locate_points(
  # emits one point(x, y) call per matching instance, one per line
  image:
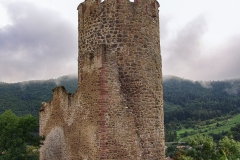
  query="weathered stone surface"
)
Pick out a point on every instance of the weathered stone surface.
point(117, 111)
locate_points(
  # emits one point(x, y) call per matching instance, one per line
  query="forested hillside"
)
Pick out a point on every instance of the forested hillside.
point(184, 99)
point(188, 100)
point(26, 97)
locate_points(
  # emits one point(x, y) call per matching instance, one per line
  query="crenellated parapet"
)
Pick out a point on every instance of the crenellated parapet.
point(96, 17)
point(89, 6)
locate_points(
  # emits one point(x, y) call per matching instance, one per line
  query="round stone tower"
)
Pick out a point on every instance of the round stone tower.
point(117, 111)
point(120, 41)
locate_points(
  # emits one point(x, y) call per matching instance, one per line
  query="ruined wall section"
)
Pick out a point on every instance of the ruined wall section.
point(70, 122)
point(53, 118)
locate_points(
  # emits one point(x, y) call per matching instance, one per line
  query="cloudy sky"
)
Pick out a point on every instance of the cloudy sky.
point(200, 39)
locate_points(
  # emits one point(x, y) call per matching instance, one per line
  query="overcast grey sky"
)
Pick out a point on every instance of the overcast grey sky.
point(200, 39)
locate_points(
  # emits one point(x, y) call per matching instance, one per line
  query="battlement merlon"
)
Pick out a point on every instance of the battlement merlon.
point(92, 3)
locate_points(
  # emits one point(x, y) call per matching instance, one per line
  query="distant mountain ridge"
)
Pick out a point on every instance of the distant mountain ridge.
point(183, 98)
point(232, 85)
point(200, 100)
point(26, 97)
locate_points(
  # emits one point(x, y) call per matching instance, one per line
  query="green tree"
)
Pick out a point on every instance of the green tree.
point(229, 148)
point(203, 147)
point(17, 134)
point(170, 135)
point(236, 132)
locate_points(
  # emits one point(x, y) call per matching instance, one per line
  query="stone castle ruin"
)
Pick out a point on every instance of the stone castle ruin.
point(117, 111)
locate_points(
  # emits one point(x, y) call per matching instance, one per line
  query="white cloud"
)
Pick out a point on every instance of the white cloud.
point(185, 55)
point(38, 44)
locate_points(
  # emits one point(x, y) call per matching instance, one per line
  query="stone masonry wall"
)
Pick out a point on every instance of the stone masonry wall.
point(117, 111)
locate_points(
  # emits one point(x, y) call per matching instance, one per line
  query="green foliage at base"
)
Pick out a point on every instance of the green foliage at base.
point(17, 135)
point(204, 148)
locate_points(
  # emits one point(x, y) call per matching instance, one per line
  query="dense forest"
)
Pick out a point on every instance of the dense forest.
point(183, 99)
point(19, 139)
point(189, 100)
point(26, 97)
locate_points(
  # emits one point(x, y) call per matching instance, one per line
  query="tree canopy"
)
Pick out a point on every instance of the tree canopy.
point(18, 135)
point(204, 148)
